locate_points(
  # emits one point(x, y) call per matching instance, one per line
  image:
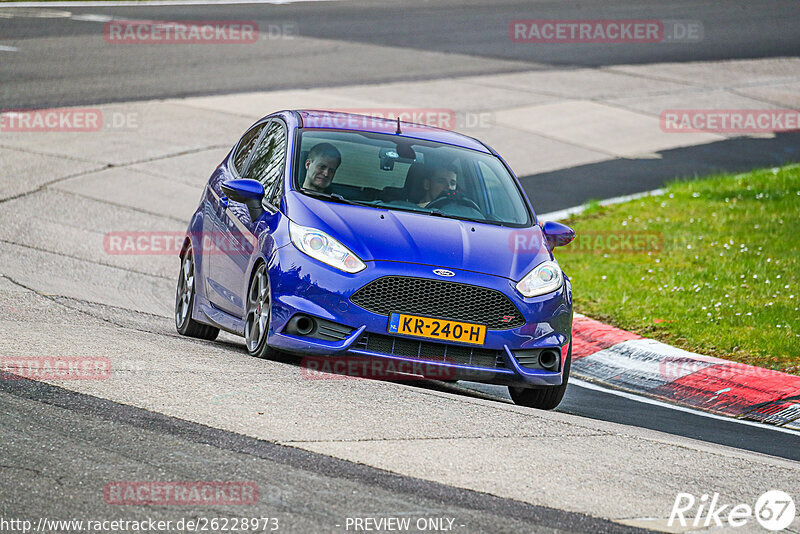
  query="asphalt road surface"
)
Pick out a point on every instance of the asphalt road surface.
point(61, 446)
point(64, 61)
point(101, 441)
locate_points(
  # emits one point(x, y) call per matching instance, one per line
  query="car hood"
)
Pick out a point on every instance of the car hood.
point(393, 235)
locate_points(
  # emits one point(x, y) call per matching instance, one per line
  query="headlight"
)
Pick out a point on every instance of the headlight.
point(324, 248)
point(544, 278)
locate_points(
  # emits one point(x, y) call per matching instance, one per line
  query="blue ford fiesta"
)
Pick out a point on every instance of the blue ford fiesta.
point(339, 235)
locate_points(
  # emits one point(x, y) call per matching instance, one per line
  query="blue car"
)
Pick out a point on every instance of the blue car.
point(335, 236)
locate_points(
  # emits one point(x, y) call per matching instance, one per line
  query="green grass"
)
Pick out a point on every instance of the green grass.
point(726, 281)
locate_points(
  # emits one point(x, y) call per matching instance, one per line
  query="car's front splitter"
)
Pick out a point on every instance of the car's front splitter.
point(511, 372)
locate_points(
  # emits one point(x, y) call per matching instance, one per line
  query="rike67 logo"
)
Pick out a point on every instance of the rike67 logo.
point(774, 510)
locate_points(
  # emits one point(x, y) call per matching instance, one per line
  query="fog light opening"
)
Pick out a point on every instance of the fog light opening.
point(548, 359)
point(301, 325)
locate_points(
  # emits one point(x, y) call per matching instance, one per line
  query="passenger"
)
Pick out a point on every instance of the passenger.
point(429, 182)
point(321, 164)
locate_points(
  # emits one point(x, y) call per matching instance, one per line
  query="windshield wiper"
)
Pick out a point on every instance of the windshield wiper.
point(332, 196)
point(437, 213)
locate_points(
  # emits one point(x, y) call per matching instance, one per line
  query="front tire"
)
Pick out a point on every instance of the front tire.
point(546, 398)
point(184, 302)
point(257, 319)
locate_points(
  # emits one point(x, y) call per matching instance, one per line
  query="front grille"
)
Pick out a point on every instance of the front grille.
point(437, 298)
point(432, 352)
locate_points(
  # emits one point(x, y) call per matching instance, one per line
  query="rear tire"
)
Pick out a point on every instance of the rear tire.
point(546, 398)
point(184, 302)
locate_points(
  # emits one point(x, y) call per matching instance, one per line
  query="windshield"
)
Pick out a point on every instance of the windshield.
point(400, 173)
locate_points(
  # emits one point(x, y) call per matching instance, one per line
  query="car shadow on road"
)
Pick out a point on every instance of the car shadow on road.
point(464, 388)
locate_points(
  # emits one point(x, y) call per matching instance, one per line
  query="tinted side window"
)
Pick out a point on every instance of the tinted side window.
point(268, 162)
point(246, 145)
point(502, 204)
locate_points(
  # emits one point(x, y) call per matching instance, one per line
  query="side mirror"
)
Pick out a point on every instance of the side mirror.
point(248, 192)
point(557, 234)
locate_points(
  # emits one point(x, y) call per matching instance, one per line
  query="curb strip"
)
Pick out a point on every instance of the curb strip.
point(624, 360)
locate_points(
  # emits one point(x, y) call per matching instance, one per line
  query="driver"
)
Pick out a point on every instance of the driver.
point(435, 181)
point(321, 164)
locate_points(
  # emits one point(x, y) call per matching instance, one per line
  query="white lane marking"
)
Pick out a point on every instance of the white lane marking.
point(17, 10)
point(124, 3)
point(563, 214)
point(630, 396)
point(93, 18)
point(8, 48)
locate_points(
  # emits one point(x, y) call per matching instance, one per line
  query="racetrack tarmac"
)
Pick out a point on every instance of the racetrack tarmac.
point(105, 443)
point(321, 451)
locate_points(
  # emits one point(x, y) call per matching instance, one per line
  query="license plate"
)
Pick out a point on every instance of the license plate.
point(414, 325)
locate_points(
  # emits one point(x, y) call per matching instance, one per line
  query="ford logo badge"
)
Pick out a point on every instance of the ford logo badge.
point(444, 272)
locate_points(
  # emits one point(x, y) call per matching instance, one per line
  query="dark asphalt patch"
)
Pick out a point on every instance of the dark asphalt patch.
point(488, 513)
point(556, 190)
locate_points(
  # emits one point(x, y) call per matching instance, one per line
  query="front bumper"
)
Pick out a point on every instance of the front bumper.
point(311, 288)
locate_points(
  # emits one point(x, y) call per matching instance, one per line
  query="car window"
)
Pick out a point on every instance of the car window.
point(501, 199)
point(397, 172)
point(268, 160)
point(246, 144)
point(358, 168)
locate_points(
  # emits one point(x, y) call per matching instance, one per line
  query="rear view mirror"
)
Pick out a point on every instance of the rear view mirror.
point(557, 234)
point(388, 157)
point(403, 154)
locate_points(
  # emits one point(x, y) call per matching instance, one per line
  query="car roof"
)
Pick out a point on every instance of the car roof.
point(323, 119)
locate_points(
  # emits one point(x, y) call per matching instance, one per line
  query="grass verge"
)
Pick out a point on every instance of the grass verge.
point(711, 266)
